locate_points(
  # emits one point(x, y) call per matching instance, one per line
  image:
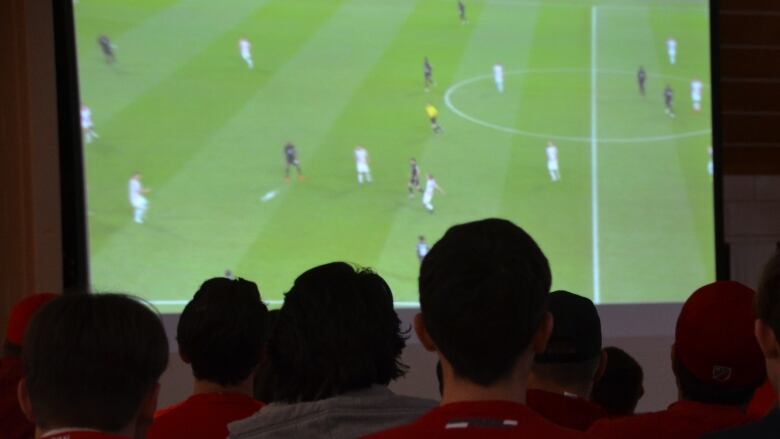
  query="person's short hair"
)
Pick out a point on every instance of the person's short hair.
point(263, 384)
point(90, 359)
point(222, 330)
point(336, 332)
point(768, 295)
point(717, 359)
point(483, 294)
point(620, 387)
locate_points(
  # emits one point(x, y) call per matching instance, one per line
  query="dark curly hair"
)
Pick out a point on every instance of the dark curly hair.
point(336, 332)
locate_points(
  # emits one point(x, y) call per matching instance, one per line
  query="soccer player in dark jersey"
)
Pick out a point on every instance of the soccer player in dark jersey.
point(414, 179)
point(641, 76)
point(291, 159)
point(668, 96)
point(462, 11)
point(107, 48)
point(428, 73)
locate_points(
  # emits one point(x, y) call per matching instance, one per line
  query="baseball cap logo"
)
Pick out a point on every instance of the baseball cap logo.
point(721, 373)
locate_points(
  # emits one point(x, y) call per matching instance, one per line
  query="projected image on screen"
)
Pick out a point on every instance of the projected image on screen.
point(261, 138)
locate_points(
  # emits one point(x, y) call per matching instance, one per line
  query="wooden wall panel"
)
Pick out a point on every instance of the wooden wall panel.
point(17, 263)
point(749, 64)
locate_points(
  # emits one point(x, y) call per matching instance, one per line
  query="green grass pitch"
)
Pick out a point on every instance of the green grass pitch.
point(630, 220)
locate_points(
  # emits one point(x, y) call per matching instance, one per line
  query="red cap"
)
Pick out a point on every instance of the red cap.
point(22, 313)
point(714, 338)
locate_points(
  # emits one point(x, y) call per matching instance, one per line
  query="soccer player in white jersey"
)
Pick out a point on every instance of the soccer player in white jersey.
point(696, 87)
point(422, 248)
point(430, 187)
point(245, 48)
point(671, 49)
point(138, 201)
point(498, 77)
point(552, 161)
point(710, 165)
point(361, 163)
point(87, 128)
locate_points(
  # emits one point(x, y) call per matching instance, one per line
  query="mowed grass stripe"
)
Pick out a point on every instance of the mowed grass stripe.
point(556, 214)
point(152, 50)
point(370, 116)
point(692, 152)
point(156, 134)
point(110, 17)
point(468, 161)
point(386, 115)
point(646, 222)
point(204, 218)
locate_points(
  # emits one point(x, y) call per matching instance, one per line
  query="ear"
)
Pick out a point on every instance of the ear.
point(422, 333)
point(767, 340)
point(183, 356)
point(601, 367)
point(542, 334)
point(24, 399)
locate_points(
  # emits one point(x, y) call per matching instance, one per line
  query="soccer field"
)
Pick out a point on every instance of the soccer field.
point(631, 219)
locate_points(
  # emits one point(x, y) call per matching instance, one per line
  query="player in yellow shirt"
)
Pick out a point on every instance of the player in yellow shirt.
point(432, 113)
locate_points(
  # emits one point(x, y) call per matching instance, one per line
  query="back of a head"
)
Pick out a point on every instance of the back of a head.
point(768, 297)
point(90, 360)
point(620, 387)
point(716, 357)
point(573, 351)
point(222, 331)
point(337, 332)
point(483, 294)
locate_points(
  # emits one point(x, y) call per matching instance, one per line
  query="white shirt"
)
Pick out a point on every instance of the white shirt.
point(696, 87)
point(361, 156)
point(430, 186)
point(422, 249)
point(244, 44)
point(671, 44)
point(86, 117)
point(498, 72)
point(134, 189)
point(552, 153)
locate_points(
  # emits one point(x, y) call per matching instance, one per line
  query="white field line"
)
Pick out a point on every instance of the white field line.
point(594, 156)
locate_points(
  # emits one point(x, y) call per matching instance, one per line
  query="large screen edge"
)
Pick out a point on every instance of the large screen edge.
point(75, 237)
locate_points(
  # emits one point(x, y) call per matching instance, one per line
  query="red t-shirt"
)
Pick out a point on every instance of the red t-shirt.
point(764, 400)
point(82, 435)
point(14, 424)
point(568, 411)
point(682, 420)
point(480, 419)
point(203, 416)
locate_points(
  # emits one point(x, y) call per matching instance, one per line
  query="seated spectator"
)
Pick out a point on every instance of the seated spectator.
point(92, 363)
point(221, 335)
point(620, 387)
point(484, 289)
point(767, 331)
point(13, 422)
point(562, 377)
point(262, 387)
point(334, 349)
point(717, 363)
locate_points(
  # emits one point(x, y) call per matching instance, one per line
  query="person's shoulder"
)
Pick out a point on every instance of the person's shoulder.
point(624, 425)
point(766, 427)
